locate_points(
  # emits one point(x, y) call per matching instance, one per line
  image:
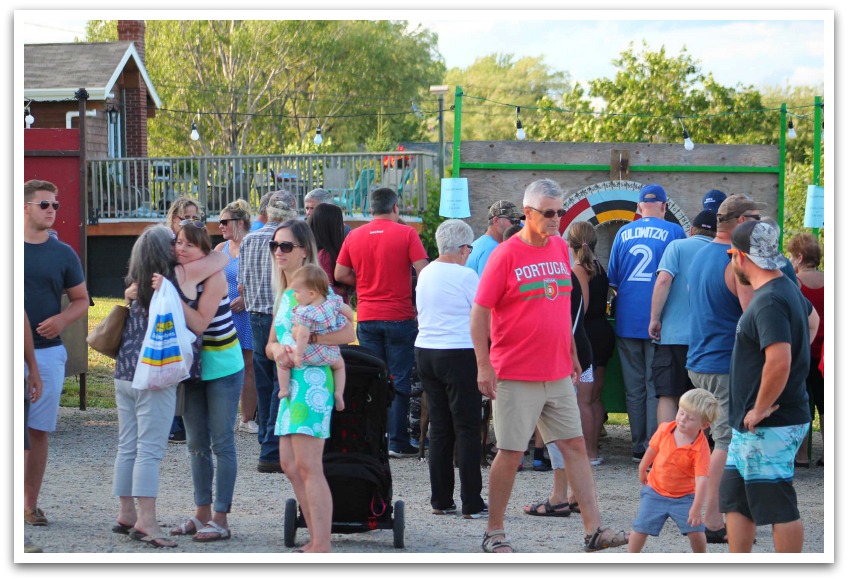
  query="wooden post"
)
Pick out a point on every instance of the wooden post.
point(82, 97)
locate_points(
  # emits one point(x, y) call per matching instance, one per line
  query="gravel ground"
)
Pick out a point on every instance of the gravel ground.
point(77, 499)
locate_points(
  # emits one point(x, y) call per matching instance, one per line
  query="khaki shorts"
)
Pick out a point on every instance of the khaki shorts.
point(520, 406)
point(717, 384)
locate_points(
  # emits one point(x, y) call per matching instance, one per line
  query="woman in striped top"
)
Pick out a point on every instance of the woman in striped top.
point(211, 404)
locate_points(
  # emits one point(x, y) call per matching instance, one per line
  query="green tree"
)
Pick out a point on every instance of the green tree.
point(265, 86)
point(497, 79)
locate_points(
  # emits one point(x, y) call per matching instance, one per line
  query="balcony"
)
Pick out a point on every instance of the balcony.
point(141, 189)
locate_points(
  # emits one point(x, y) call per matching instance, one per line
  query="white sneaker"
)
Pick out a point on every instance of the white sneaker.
point(250, 427)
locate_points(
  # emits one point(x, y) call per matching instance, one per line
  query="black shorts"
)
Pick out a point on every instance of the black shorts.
point(671, 379)
point(763, 503)
point(602, 337)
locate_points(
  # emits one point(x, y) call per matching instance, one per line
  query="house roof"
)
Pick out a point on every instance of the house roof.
point(55, 72)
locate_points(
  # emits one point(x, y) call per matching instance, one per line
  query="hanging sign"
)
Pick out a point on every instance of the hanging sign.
point(814, 214)
point(454, 199)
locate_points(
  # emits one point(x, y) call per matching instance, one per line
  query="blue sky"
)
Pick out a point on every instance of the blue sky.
point(757, 48)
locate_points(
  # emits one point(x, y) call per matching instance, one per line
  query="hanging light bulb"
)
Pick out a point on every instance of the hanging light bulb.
point(318, 139)
point(28, 119)
point(520, 135)
point(688, 144)
point(194, 134)
point(791, 130)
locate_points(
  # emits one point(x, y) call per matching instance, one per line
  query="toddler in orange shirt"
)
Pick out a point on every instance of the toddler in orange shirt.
point(676, 486)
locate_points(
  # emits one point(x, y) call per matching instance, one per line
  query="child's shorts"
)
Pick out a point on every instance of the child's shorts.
point(655, 509)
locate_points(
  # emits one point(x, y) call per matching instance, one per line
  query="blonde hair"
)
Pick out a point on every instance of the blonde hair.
point(178, 207)
point(700, 401)
point(313, 277)
point(239, 210)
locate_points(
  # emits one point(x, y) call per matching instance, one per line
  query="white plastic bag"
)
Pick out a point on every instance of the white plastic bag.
point(166, 356)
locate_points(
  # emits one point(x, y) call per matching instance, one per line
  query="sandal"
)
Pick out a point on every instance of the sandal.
point(121, 528)
point(189, 527)
point(490, 545)
point(158, 542)
point(575, 508)
point(716, 537)
point(562, 509)
point(595, 542)
point(211, 532)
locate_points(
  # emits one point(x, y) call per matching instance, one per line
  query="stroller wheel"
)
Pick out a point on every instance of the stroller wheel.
point(290, 522)
point(398, 524)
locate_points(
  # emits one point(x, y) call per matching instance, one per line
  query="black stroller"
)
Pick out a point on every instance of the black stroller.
point(356, 456)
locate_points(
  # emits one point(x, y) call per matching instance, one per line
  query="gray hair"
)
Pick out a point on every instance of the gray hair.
point(382, 200)
point(320, 195)
point(152, 253)
point(544, 188)
point(279, 209)
point(451, 234)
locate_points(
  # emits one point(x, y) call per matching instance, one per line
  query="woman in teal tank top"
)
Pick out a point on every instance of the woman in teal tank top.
point(304, 417)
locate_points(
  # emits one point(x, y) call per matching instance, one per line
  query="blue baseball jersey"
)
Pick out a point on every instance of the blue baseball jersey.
point(634, 258)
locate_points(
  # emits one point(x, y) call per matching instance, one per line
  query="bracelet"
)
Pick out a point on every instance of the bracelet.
point(313, 338)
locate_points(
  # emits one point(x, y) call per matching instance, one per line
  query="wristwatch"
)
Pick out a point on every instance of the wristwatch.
point(313, 337)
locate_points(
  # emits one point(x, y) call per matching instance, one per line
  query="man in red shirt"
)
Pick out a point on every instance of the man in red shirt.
point(377, 258)
point(524, 298)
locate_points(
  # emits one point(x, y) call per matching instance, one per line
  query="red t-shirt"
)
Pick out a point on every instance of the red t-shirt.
point(674, 469)
point(381, 254)
point(528, 289)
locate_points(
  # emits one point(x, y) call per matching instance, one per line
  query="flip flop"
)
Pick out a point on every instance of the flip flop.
point(189, 527)
point(562, 509)
point(213, 532)
point(122, 529)
point(159, 542)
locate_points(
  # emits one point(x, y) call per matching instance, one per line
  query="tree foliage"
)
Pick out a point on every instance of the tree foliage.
point(266, 85)
point(499, 78)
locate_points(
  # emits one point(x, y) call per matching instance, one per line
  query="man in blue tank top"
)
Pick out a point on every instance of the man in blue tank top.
point(716, 301)
point(634, 258)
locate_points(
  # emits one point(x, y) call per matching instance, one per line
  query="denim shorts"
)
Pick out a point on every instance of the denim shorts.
point(655, 509)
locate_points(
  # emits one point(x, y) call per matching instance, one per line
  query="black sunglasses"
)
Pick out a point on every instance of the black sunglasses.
point(550, 213)
point(513, 221)
point(225, 221)
point(44, 204)
point(468, 246)
point(285, 247)
point(193, 222)
point(752, 216)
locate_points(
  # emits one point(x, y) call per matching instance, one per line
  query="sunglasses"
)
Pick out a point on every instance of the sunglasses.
point(284, 247)
point(468, 246)
point(752, 216)
point(226, 221)
point(193, 222)
point(733, 251)
point(44, 204)
point(549, 213)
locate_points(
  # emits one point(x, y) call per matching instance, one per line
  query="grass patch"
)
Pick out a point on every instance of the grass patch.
point(100, 382)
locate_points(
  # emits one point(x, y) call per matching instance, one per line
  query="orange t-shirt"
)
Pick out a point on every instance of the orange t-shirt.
point(675, 468)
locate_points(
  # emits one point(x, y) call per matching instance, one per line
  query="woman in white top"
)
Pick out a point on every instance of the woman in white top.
point(448, 371)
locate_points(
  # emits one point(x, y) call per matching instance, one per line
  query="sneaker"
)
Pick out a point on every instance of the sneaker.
point(603, 433)
point(542, 465)
point(598, 461)
point(637, 457)
point(415, 443)
point(482, 514)
point(35, 517)
point(177, 437)
point(250, 427)
point(269, 467)
point(406, 452)
point(449, 510)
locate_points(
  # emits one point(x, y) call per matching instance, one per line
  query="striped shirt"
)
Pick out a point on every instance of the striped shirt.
point(255, 270)
point(221, 352)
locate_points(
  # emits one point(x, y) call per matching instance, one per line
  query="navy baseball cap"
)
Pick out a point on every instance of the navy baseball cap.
point(713, 199)
point(652, 193)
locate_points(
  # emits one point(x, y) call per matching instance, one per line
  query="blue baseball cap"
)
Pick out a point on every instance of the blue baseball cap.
point(652, 193)
point(713, 199)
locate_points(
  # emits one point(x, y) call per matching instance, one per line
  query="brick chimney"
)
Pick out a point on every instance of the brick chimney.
point(135, 98)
